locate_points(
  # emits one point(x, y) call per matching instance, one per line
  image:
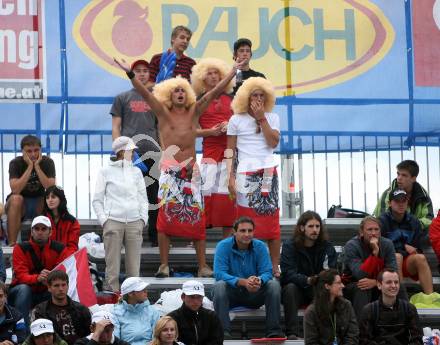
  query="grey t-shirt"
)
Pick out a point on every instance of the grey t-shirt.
point(136, 118)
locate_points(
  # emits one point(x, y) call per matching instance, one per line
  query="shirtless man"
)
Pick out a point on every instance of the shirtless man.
point(181, 213)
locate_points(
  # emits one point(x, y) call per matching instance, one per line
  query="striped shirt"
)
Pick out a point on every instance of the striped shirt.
point(183, 67)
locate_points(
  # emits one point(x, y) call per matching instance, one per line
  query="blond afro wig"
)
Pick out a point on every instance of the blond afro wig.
point(240, 104)
point(163, 90)
point(200, 70)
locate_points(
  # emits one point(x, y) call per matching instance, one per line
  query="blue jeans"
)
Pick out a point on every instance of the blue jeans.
point(226, 297)
point(21, 297)
point(30, 208)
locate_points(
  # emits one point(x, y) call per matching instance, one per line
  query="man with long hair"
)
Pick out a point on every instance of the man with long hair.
point(303, 256)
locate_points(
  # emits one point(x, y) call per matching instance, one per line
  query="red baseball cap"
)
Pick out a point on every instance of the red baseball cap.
point(137, 62)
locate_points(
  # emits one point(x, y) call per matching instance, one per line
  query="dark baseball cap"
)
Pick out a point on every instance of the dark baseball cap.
point(398, 194)
point(242, 42)
point(138, 62)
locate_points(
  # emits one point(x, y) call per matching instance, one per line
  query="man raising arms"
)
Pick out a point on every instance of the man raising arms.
point(181, 213)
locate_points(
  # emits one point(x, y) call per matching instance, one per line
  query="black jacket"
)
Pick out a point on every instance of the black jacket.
point(297, 265)
point(87, 341)
point(390, 326)
point(81, 317)
point(198, 328)
point(12, 324)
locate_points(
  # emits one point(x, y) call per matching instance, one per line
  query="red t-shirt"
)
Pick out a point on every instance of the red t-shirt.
point(219, 110)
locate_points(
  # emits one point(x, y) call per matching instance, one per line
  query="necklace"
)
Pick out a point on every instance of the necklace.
point(333, 322)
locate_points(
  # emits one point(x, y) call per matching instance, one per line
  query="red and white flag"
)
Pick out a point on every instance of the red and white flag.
point(80, 282)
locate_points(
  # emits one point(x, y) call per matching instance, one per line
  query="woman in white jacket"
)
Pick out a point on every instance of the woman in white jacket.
point(120, 203)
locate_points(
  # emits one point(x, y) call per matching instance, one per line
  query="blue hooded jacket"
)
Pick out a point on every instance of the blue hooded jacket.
point(134, 323)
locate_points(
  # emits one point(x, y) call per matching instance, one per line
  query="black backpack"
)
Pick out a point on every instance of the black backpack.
point(402, 303)
point(337, 211)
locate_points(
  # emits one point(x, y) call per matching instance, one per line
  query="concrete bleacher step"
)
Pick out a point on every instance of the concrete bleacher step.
point(176, 282)
point(340, 228)
point(252, 321)
point(184, 259)
point(158, 285)
point(248, 342)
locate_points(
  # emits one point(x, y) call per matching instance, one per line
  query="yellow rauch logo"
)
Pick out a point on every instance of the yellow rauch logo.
point(301, 45)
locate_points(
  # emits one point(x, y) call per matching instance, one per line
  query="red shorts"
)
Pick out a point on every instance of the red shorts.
point(405, 272)
point(257, 198)
point(181, 212)
point(219, 207)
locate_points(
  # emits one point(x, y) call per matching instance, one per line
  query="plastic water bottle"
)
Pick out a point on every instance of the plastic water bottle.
point(4, 221)
point(325, 263)
point(238, 76)
point(427, 340)
point(14, 338)
point(436, 13)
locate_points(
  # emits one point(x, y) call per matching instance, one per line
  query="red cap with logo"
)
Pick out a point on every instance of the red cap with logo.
point(138, 62)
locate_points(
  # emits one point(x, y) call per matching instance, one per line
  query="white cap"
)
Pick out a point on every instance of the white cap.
point(41, 220)
point(193, 287)
point(123, 143)
point(133, 284)
point(41, 326)
point(102, 315)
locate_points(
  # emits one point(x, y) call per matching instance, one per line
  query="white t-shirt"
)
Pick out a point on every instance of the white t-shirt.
point(253, 151)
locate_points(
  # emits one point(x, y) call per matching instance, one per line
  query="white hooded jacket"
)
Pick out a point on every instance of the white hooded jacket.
point(120, 193)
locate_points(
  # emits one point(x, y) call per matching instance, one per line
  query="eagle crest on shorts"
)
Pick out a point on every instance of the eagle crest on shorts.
point(182, 200)
point(262, 192)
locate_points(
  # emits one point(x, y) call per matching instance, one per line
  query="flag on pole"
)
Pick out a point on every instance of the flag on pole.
point(80, 282)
